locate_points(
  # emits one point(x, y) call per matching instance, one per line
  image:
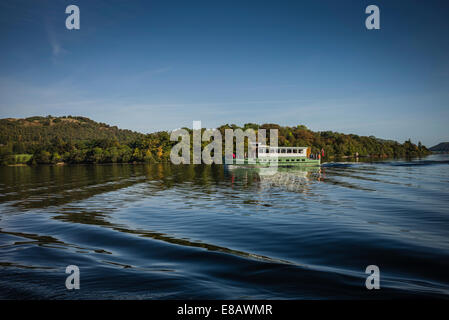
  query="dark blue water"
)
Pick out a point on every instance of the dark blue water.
point(166, 232)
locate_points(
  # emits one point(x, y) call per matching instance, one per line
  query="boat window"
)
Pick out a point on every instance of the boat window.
point(303, 159)
point(267, 150)
point(295, 150)
point(289, 150)
point(282, 150)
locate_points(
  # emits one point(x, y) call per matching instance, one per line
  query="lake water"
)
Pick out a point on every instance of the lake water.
point(168, 232)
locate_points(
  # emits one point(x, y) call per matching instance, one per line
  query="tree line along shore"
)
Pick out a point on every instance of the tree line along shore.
point(73, 139)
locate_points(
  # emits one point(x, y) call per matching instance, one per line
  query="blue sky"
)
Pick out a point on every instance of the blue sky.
point(158, 65)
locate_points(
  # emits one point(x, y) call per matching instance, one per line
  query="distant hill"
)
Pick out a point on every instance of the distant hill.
point(33, 131)
point(441, 147)
point(70, 139)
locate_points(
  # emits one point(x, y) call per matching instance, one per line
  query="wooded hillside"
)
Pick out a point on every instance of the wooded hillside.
point(82, 140)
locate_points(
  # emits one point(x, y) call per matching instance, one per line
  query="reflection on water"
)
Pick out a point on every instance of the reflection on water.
point(164, 231)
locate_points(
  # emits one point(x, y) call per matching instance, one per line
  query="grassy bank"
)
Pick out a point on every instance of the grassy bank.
point(17, 159)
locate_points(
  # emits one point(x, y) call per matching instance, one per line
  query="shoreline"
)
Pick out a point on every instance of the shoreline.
point(326, 160)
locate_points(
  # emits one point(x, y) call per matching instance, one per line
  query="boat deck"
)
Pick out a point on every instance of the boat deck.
point(281, 162)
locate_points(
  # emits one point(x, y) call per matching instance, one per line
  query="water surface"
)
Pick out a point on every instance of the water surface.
point(169, 232)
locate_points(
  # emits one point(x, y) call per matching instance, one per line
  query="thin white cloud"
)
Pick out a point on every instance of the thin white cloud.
point(55, 45)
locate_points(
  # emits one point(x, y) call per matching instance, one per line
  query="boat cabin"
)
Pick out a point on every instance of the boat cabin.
point(264, 151)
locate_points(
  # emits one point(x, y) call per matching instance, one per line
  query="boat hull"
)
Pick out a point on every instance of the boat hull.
point(280, 162)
